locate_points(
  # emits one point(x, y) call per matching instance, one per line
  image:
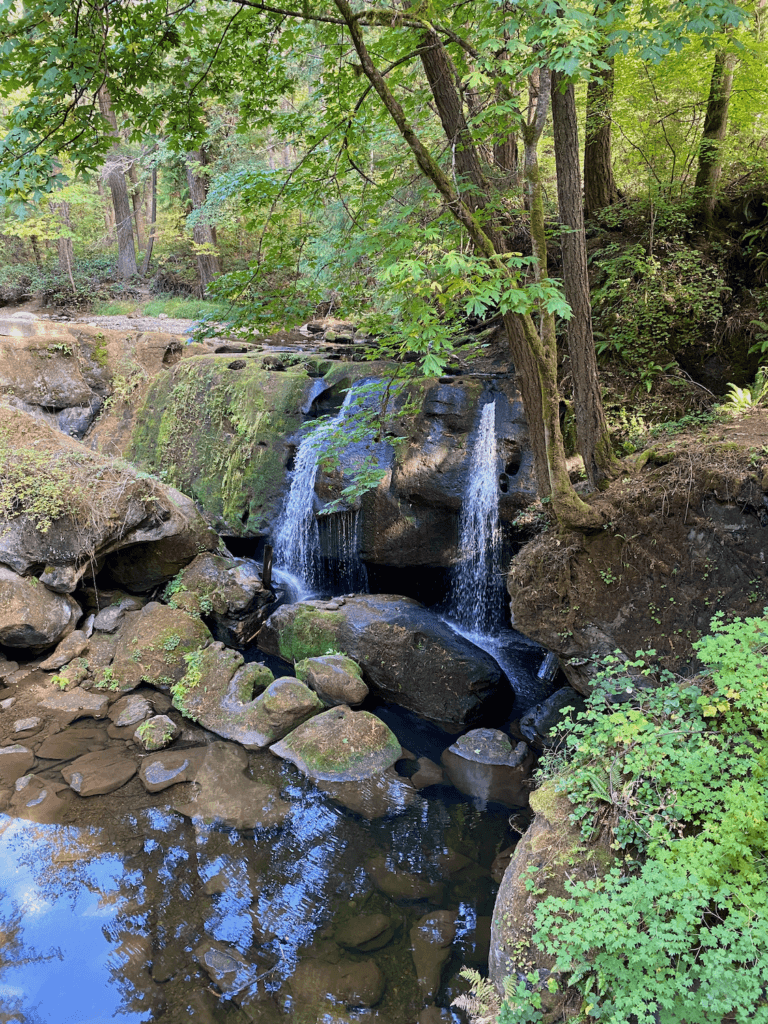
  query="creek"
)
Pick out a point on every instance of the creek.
point(134, 911)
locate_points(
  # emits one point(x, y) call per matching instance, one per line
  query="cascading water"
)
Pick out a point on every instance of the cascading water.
point(297, 545)
point(477, 590)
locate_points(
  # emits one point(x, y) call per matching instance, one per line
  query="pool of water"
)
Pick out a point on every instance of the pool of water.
point(129, 911)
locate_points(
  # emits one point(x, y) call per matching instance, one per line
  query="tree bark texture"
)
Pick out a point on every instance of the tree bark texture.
point(114, 175)
point(204, 234)
point(713, 135)
point(137, 201)
point(599, 184)
point(152, 222)
point(592, 434)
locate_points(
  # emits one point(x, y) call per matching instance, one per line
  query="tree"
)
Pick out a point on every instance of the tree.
point(713, 136)
point(204, 233)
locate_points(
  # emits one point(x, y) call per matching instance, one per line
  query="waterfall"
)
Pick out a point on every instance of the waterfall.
point(343, 570)
point(297, 544)
point(477, 589)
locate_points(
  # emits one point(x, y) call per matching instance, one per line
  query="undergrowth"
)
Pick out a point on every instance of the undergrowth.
point(674, 772)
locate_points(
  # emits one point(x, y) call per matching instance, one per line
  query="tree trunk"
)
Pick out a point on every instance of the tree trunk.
point(569, 508)
point(204, 234)
point(713, 136)
point(592, 432)
point(599, 185)
point(137, 201)
point(152, 223)
point(36, 251)
point(64, 241)
point(114, 175)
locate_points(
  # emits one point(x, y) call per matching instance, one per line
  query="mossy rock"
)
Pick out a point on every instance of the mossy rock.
point(221, 436)
point(152, 650)
point(335, 678)
point(341, 745)
point(310, 633)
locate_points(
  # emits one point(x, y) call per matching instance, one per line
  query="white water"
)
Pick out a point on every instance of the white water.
point(297, 544)
point(477, 589)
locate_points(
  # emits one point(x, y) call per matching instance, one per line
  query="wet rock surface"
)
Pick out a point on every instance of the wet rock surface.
point(484, 765)
point(100, 772)
point(407, 653)
point(431, 939)
point(233, 599)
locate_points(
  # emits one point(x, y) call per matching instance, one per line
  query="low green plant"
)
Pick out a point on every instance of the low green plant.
point(181, 689)
point(674, 772)
point(741, 400)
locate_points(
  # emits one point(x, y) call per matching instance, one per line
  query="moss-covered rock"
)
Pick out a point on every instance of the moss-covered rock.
point(152, 648)
point(335, 678)
point(231, 595)
point(220, 435)
point(341, 745)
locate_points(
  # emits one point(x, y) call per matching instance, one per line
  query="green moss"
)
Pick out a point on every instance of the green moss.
point(334, 759)
point(311, 633)
point(219, 435)
point(344, 663)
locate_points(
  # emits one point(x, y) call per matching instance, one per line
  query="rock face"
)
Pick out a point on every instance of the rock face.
point(483, 764)
point(90, 506)
point(554, 847)
point(341, 745)
point(233, 600)
point(334, 678)
point(30, 614)
point(407, 654)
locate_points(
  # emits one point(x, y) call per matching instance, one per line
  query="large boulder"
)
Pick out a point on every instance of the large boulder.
point(64, 509)
point(233, 599)
point(220, 698)
point(407, 653)
point(341, 745)
point(30, 614)
point(151, 649)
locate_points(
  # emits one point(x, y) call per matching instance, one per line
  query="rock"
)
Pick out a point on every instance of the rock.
point(71, 743)
point(39, 800)
point(169, 768)
point(402, 885)
point(501, 863)
point(108, 619)
point(378, 797)
point(407, 653)
point(483, 764)
point(71, 647)
point(152, 649)
point(7, 704)
point(226, 968)
point(15, 761)
point(156, 733)
point(103, 771)
point(225, 795)
point(359, 983)
point(95, 506)
point(27, 725)
point(7, 667)
point(552, 846)
point(71, 675)
point(233, 599)
point(217, 700)
point(130, 710)
point(30, 614)
point(334, 678)
point(428, 774)
point(366, 932)
point(539, 721)
point(431, 939)
point(340, 745)
point(77, 703)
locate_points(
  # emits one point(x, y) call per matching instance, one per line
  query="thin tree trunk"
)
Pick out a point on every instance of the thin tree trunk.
point(569, 508)
point(599, 185)
point(592, 434)
point(64, 242)
point(137, 201)
point(114, 175)
point(152, 223)
point(36, 251)
point(204, 234)
point(713, 135)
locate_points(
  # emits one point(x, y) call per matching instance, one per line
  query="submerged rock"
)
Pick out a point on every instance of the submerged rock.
point(31, 615)
point(225, 795)
point(366, 932)
point(402, 885)
point(341, 745)
point(103, 771)
point(170, 767)
point(15, 761)
point(352, 983)
point(407, 653)
point(334, 678)
point(483, 764)
point(378, 797)
point(431, 939)
point(40, 800)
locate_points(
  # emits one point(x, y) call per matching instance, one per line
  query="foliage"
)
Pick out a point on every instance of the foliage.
point(741, 400)
point(647, 308)
point(675, 770)
point(181, 689)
